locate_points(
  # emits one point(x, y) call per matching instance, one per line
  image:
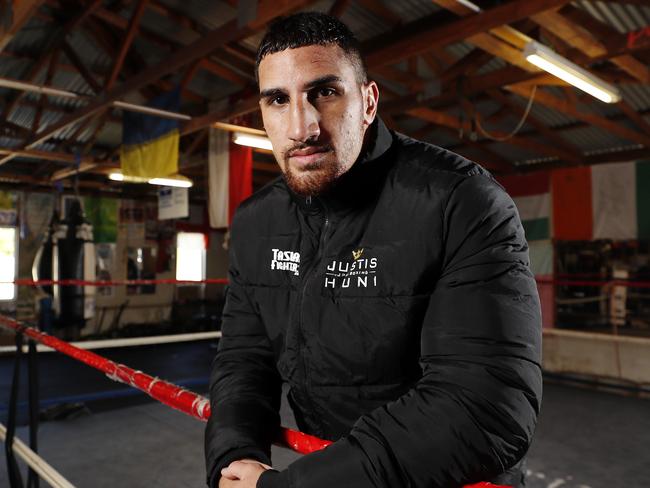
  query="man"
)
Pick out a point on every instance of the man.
point(385, 279)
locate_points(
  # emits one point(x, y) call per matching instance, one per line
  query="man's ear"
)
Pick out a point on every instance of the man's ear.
point(370, 101)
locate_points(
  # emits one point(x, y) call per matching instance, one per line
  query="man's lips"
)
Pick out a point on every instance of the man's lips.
point(308, 155)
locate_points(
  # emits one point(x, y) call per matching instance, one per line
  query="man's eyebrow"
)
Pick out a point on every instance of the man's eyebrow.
point(323, 80)
point(271, 92)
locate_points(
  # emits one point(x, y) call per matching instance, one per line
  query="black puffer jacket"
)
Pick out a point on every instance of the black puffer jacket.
point(401, 311)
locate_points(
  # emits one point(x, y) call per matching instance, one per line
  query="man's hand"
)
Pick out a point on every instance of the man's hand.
point(242, 474)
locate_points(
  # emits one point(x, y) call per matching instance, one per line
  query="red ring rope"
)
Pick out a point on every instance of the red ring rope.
point(224, 281)
point(164, 281)
point(167, 393)
point(633, 284)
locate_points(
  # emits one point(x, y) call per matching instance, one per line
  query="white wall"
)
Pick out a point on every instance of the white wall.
point(600, 355)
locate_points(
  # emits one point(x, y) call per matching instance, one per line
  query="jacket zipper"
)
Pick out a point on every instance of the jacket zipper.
point(305, 283)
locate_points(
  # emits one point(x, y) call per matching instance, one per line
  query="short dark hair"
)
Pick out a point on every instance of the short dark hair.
point(308, 29)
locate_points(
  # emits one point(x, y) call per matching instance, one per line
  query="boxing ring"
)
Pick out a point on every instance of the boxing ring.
point(167, 393)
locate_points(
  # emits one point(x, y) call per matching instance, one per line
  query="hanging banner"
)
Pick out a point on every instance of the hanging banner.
point(230, 177)
point(102, 214)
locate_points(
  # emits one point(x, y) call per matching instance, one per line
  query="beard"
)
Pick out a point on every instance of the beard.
point(314, 179)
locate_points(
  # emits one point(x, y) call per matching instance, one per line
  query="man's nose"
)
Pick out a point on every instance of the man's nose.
point(304, 122)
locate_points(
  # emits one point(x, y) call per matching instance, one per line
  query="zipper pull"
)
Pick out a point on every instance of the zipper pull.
point(309, 200)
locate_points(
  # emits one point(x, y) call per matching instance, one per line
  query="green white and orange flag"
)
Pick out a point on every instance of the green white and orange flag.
point(609, 201)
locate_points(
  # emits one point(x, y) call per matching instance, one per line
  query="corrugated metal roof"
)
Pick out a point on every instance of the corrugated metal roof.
point(253, 41)
point(624, 17)
point(92, 55)
point(544, 114)
point(493, 65)
point(512, 153)
point(23, 116)
point(638, 96)
point(13, 67)
point(211, 86)
point(9, 142)
point(33, 38)
point(208, 13)
point(592, 138)
point(614, 149)
point(364, 23)
point(412, 10)
point(534, 161)
point(459, 50)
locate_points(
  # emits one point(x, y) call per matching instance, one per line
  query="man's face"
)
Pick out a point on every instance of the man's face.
point(315, 112)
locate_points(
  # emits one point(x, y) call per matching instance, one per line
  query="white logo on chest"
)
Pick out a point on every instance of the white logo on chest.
point(360, 273)
point(286, 261)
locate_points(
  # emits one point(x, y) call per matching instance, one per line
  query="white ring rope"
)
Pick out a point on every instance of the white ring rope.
point(47, 473)
point(128, 341)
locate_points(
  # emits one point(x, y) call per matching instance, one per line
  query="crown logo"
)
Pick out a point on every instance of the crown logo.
point(357, 254)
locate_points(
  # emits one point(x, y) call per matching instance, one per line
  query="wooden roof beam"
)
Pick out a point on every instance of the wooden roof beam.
point(609, 38)
point(229, 32)
point(409, 43)
point(503, 42)
point(570, 109)
point(83, 70)
point(207, 64)
point(572, 34)
point(576, 154)
point(127, 40)
point(45, 155)
point(446, 120)
point(465, 66)
point(491, 160)
point(177, 60)
point(23, 11)
point(51, 69)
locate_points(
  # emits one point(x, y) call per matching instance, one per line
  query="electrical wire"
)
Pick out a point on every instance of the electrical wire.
point(521, 123)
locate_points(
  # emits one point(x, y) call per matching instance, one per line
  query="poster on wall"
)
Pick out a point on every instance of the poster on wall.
point(139, 221)
point(102, 214)
point(133, 231)
point(173, 203)
point(8, 213)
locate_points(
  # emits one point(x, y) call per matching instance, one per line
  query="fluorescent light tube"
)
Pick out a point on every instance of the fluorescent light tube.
point(117, 176)
point(179, 181)
point(548, 60)
point(252, 141)
point(470, 5)
point(174, 180)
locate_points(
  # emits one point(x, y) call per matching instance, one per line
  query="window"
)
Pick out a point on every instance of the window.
point(7, 262)
point(190, 256)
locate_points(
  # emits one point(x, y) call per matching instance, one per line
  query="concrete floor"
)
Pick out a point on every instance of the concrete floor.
point(585, 439)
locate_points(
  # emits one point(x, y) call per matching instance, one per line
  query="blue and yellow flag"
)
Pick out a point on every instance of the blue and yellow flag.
point(150, 143)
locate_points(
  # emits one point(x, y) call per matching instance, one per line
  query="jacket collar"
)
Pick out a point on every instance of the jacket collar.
point(355, 186)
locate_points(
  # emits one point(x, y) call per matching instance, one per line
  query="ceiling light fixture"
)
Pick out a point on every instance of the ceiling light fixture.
point(173, 180)
point(178, 180)
point(470, 5)
point(117, 176)
point(251, 140)
point(548, 60)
